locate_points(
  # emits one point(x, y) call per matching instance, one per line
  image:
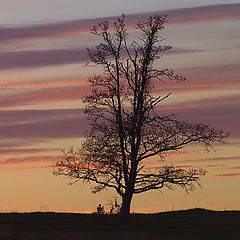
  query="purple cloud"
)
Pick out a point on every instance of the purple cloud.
point(28, 59)
point(222, 113)
point(73, 123)
point(176, 16)
point(31, 59)
point(43, 124)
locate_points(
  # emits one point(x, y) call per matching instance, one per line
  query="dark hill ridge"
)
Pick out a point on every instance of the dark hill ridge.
point(192, 224)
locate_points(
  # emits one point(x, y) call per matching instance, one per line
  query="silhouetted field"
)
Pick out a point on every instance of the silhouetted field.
point(188, 224)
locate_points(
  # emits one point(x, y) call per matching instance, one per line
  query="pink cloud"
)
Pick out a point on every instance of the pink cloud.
point(200, 79)
point(43, 95)
point(216, 159)
point(29, 159)
point(218, 75)
point(44, 83)
point(71, 89)
point(234, 168)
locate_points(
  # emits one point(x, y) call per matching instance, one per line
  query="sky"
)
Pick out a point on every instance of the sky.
point(43, 77)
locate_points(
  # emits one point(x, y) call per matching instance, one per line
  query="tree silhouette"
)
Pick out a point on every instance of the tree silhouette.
point(127, 127)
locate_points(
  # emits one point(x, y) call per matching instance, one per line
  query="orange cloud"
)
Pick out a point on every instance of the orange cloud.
point(227, 175)
point(25, 168)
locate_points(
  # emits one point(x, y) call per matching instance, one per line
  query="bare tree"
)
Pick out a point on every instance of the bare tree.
point(127, 128)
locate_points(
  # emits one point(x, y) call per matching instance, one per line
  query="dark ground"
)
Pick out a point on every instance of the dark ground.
point(192, 224)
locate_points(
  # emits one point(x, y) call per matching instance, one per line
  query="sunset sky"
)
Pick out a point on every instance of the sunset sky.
point(43, 77)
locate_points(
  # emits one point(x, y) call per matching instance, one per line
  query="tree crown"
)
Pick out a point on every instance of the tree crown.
point(127, 125)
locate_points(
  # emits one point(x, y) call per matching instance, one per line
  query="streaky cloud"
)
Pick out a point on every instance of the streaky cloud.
point(25, 168)
point(216, 110)
point(44, 125)
point(42, 58)
point(176, 166)
point(36, 83)
point(11, 117)
point(67, 123)
point(29, 59)
point(40, 96)
point(216, 159)
point(25, 150)
point(176, 16)
point(224, 175)
point(29, 159)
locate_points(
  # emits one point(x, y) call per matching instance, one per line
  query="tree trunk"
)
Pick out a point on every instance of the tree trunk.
point(126, 204)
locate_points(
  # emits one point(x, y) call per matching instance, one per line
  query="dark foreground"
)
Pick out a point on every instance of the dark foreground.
point(189, 224)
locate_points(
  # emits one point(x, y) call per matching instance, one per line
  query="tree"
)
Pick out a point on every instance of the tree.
point(127, 127)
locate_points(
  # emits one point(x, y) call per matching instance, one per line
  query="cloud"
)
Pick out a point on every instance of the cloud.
point(65, 123)
point(29, 159)
point(221, 112)
point(234, 168)
point(176, 166)
point(35, 83)
point(11, 117)
point(43, 95)
point(64, 28)
point(29, 59)
point(25, 150)
point(216, 159)
point(208, 13)
point(42, 58)
point(203, 78)
point(11, 143)
point(58, 89)
point(43, 124)
point(25, 168)
point(227, 175)
point(216, 166)
point(216, 74)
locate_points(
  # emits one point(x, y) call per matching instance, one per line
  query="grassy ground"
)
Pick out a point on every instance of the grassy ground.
point(188, 224)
